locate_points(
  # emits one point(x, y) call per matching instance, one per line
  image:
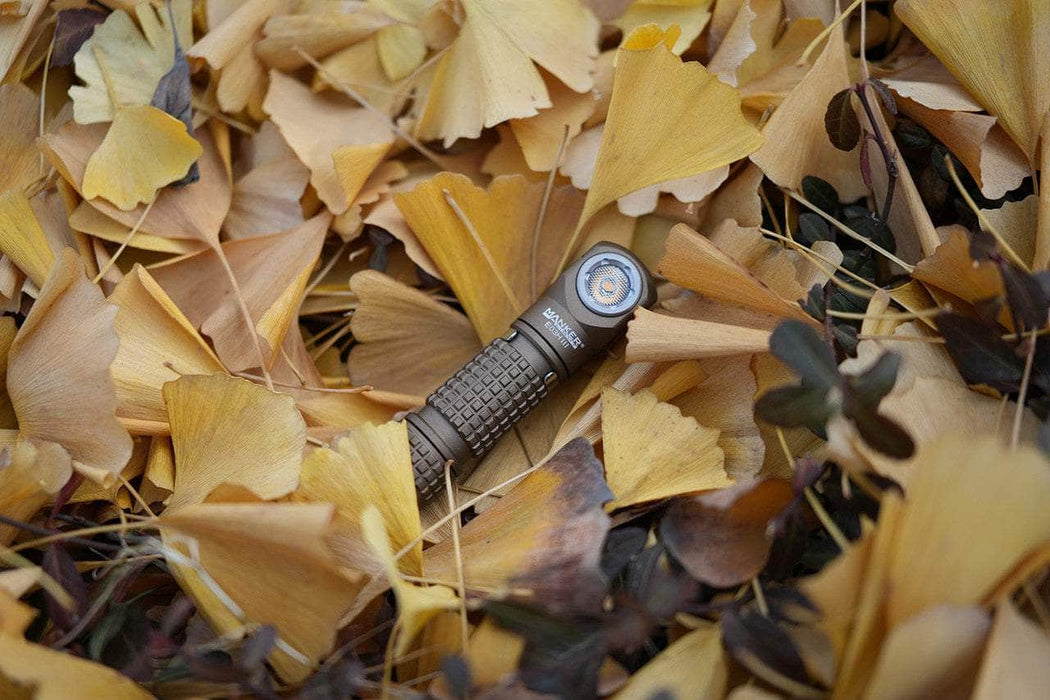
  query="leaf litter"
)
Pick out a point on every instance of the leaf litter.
point(239, 240)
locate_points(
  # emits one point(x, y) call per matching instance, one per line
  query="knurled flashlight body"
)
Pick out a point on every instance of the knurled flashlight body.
point(586, 308)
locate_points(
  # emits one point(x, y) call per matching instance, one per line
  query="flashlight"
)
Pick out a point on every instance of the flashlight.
point(585, 309)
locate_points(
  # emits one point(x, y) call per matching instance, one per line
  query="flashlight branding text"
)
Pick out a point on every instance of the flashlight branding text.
point(565, 334)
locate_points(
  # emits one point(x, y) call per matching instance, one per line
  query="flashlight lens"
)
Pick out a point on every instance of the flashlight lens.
point(608, 284)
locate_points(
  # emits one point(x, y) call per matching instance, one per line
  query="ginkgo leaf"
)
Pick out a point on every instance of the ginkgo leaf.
point(144, 150)
point(996, 163)
point(31, 473)
point(944, 550)
point(272, 272)
point(653, 337)
point(503, 218)
point(401, 49)
point(667, 120)
point(318, 29)
point(157, 345)
point(487, 76)
point(417, 605)
point(8, 330)
point(22, 239)
point(997, 70)
point(934, 654)
point(723, 400)
point(653, 452)
point(273, 562)
point(360, 65)
point(225, 38)
point(1014, 664)
point(354, 163)
point(691, 16)
point(407, 342)
point(226, 430)
point(58, 371)
point(47, 674)
point(315, 126)
point(693, 665)
point(267, 199)
point(195, 211)
point(695, 262)
point(123, 63)
point(371, 467)
point(796, 142)
point(542, 537)
point(19, 110)
point(540, 136)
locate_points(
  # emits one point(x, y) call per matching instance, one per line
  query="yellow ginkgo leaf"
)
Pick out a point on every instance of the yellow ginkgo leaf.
point(272, 272)
point(998, 68)
point(667, 120)
point(226, 430)
point(416, 605)
point(122, 62)
point(1014, 664)
point(501, 219)
point(401, 49)
point(407, 342)
point(272, 561)
point(487, 76)
point(540, 136)
point(195, 211)
point(693, 666)
point(58, 371)
point(31, 473)
point(797, 143)
point(652, 451)
point(353, 165)
point(695, 262)
point(653, 337)
point(315, 126)
point(369, 467)
point(46, 674)
point(691, 16)
point(22, 239)
point(144, 150)
point(157, 344)
point(360, 65)
point(944, 549)
point(19, 110)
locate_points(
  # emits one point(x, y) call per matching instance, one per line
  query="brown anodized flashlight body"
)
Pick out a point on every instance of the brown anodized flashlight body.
point(466, 415)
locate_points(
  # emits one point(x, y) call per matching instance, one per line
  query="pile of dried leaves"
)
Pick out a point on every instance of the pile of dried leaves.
point(241, 237)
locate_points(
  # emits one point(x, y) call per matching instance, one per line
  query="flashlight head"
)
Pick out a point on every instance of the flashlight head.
point(587, 306)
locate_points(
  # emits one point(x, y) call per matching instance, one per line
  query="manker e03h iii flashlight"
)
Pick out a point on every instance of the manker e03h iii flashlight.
point(585, 309)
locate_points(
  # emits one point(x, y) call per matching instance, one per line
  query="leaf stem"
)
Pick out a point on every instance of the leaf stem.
point(892, 171)
point(825, 519)
point(1015, 434)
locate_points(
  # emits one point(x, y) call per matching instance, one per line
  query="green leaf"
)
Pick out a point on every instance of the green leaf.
point(881, 433)
point(874, 229)
point(911, 135)
point(801, 348)
point(840, 121)
point(871, 386)
point(794, 406)
point(981, 355)
point(812, 228)
point(821, 194)
point(1028, 302)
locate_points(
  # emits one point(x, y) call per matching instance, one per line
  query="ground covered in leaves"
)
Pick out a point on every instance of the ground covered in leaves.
point(240, 238)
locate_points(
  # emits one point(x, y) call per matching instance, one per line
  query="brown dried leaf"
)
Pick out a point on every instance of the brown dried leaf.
point(723, 538)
